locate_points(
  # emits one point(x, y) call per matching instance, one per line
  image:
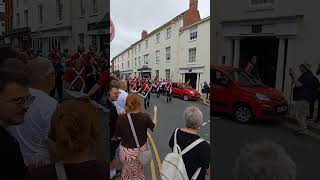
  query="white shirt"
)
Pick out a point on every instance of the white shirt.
point(121, 102)
point(32, 134)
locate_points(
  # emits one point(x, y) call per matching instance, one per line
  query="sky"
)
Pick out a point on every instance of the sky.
point(130, 17)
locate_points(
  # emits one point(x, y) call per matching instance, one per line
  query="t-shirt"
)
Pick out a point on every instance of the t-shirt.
point(32, 134)
point(121, 102)
point(82, 171)
point(11, 162)
point(141, 122)
point(197, 157)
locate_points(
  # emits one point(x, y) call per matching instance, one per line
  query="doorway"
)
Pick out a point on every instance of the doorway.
point(193, 79)
point(266, 50)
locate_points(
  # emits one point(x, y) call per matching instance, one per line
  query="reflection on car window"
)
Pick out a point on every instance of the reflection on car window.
point(244, 80)
point(218, 77)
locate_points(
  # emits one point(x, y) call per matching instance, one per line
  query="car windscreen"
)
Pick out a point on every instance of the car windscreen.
point(244, 80)
point(188, 86)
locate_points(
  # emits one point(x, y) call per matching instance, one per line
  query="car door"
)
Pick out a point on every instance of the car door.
point(175, 89)
point(220, 83)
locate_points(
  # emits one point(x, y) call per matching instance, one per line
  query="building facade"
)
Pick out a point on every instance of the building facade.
point(62, 24)
point(282, 34)
point(179, 50)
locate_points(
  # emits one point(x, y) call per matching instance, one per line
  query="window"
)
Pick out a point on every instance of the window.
point(94, 6)
point(128, 65)
point(168, 53)
point(157, 73)
point(121, 65)
point(146, 44)
point(146, 59)
point(122, 57)
point(261, 2)
point(157, 56)
point(158, 38)
point(135, 62)
point(18, 20)
point(94, 41)
point(118, 67)
point(167, 74)
point(193, 33)
point(139, 61)
point(82, 9)
point(40, 9)
point(192, 55)
point(128, 54)
point(81, 40)
point(169, 33)
point(135, 49)
point(59, 10)
point(26, 17)
point(139, 47)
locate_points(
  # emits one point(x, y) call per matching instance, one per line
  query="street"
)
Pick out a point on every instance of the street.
point(230, 137)
point(169, 118)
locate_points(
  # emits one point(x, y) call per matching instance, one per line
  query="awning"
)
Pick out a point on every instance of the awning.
point(145, 69)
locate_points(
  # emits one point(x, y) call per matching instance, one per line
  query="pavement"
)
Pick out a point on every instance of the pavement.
point(169, 118)
point(230, 137)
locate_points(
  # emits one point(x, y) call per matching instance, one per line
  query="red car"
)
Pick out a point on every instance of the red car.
point(235, 92)
point(184, 91)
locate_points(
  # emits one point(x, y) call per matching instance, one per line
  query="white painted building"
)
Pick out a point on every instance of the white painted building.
point(282, 34)
point(2, 19)
point(179, 50)
point(62, 24)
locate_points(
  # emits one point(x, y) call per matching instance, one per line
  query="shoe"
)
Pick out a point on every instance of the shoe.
point(309, 118)
point(300, 132)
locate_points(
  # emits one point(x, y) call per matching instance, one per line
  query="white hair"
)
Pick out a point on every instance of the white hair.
point(264, 161)
point(193, 117)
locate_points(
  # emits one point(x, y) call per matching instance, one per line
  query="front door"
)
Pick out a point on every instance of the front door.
point(193, 79)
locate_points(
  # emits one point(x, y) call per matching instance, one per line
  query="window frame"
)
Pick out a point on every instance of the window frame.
point(157, 57)
point(168, 53)
point(157, 38)
point(169, 32)
point(192, 56)
point(193, 33)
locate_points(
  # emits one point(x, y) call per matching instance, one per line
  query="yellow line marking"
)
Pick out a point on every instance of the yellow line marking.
point(153, 170)
point(155, 150)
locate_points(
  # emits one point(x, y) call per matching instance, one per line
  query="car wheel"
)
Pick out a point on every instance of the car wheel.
point(243, 114)
point(185, 97)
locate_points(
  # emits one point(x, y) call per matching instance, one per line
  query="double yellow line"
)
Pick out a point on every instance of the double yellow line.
point(154, 147)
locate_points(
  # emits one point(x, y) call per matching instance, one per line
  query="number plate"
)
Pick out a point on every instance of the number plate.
point(282, 109)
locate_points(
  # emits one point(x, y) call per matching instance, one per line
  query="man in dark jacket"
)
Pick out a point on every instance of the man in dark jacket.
point(304, 93)
point(15, 100)
point(113, 94)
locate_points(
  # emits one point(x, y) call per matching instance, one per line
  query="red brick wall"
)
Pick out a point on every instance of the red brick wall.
point(192, 16)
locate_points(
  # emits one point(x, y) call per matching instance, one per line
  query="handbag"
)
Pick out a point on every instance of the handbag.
point(143, 156)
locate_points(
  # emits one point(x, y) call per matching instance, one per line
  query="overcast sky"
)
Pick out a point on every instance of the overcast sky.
point(130, 17)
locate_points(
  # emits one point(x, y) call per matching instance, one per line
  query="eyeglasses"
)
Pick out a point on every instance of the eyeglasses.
point(23, 101)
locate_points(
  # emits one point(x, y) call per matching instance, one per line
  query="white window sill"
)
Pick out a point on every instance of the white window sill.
point(262, 7)
point(94, 14)
point(157, 62)
point(168, 60)
point(191, 63)
point(191, 40)
point(59, 22)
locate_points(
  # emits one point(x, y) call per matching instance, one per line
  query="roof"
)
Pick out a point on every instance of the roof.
point(153, 32)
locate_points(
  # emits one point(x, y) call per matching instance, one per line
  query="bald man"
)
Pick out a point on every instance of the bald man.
point(32, 135)
point(121, 102)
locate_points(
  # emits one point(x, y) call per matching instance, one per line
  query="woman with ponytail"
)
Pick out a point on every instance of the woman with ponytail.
point(132, 169)
point(75, 143)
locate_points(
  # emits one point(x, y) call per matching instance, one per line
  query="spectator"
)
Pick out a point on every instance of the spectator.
point(15, 100)
point(59, 71)
point(304, 93)
point(132, 169)
point(318, 112)
point(206, 89)
point(252, 69)
point(264, 161)
point(77, 147)
point(121, 101)
point(33, 133)
point(199, 156)
point(113, 94)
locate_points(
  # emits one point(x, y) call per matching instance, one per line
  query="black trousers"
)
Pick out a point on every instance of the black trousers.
point(311, 108)
point(169, 96)
point(58, 87)
point(147, 101)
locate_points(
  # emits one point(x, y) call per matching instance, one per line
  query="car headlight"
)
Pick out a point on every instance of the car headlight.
point(191, 92)
point(262, 97)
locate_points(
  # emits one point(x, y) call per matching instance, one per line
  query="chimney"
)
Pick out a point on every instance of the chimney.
point(192, 15)
point(193, 4)
point(144, 34)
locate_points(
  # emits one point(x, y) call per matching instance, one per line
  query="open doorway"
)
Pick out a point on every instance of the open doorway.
point(266, 50)
point(193, 79)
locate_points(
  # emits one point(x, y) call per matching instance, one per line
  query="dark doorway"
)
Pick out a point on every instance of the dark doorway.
point(266, 50)
point(193, 79)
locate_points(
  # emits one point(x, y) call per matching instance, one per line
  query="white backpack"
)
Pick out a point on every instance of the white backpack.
point(172, 167)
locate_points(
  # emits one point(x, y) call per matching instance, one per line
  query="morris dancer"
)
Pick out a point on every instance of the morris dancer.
point(74, 78)
point(145, 91)
point(157, 86)
point(168, 90)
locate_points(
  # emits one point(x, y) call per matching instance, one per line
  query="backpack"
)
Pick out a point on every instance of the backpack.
point(172, 167)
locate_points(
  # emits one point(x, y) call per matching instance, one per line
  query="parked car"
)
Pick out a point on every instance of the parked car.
point(184, 91)
point(235, 92)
